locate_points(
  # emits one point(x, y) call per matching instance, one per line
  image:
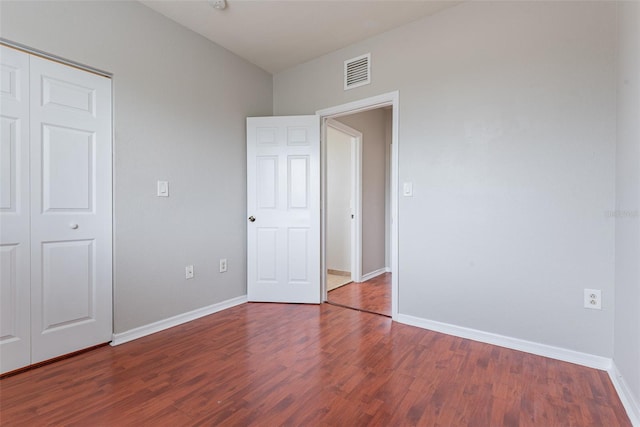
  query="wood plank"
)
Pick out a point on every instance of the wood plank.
point(286, 364)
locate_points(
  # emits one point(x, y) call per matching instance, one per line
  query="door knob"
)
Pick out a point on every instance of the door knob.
point(74, 226)
point(252, 218)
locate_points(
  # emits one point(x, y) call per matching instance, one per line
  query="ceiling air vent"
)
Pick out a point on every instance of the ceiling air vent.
point(357, 71)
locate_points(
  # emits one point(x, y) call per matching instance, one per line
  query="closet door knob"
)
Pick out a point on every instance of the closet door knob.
point(74, 226)
point(252, 218)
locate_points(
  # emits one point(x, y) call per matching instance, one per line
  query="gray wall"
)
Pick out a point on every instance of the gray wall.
point(180, 104)
point(627, 308)
point(372, 124)
point(507, 130)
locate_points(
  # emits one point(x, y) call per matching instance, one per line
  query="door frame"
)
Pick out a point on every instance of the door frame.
point(355, 247)
point(391, 99)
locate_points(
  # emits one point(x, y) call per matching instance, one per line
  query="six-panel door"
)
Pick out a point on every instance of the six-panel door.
point(283, 209)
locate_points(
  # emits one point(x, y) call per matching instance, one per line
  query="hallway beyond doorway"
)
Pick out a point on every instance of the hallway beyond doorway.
point(373, 296)
point(335, 280)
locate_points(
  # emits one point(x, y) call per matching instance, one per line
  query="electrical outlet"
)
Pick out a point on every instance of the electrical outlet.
point(593, 299)
point(223, 265)
point(188, 272)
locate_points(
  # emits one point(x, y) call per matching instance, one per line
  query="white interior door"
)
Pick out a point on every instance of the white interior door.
point(71, 254)
point(283, 204)
point(15, 301)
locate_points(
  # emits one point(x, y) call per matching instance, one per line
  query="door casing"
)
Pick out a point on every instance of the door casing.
point(389, 99)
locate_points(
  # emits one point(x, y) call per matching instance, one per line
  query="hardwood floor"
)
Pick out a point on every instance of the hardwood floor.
point(307, 365)
point(373, 295)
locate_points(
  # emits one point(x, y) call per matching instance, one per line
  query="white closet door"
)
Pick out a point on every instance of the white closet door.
point(71, 253)
point(14, 210)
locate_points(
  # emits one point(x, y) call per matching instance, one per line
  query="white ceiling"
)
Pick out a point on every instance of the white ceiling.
point(278, 34)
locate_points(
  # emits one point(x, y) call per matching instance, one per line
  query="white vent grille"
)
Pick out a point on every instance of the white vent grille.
point(357, 71)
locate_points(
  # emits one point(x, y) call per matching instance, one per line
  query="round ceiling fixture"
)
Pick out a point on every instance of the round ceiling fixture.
point(218, 4)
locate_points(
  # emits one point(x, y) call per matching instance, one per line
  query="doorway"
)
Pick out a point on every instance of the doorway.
point(286, 183)
point(344, 204)
point(365, 194)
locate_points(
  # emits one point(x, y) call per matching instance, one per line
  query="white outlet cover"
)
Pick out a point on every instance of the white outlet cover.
point(188, 272)
point(593, 299)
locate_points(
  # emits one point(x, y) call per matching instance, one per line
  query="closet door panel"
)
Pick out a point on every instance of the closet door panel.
point(71, 209)
point(15, 301)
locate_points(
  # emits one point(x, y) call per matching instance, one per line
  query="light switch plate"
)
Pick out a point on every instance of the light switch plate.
point(407, 189)
point(163, 188)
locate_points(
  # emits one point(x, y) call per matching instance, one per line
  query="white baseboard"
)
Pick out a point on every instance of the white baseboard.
point(559, 353)
point(373, 274)
point(629, 401)
point(161, 325)
point(387, 269)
